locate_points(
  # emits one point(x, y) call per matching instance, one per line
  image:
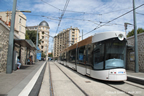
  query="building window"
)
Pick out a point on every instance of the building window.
point(20, 20)
point(72, 35)
point(73, 39)
point(42, 32)
point(19, 28)
point(42, 37)
point(42, 41)
point(73, 32)
point(41, 47)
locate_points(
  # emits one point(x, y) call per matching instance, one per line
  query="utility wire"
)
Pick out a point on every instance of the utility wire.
point(51, 5)
point(66, 4)
point(86, 12)
point(55, 18)
point(139, 13)
point(113, 19)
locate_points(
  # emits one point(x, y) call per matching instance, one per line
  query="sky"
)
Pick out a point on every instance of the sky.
point(86, 15)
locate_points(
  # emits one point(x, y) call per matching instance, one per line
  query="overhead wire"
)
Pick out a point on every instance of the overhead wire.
point(113, 19)
point(139, 13)
point(66, 4)
point(86, 12)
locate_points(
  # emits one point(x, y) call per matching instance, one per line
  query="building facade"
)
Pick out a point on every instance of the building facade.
point(43, 30)
point(64, 39)
point(20, 22)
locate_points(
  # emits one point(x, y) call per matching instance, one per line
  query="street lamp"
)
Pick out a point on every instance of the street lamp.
point(11, 41)
point(125, 25)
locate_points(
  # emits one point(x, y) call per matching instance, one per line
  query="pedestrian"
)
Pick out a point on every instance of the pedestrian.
point(30, 60)
point(18, 62)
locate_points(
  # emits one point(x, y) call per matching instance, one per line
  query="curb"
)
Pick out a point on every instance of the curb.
point(135, 80)
point(35, 90)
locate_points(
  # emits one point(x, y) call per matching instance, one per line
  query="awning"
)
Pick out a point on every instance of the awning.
point(25, 43)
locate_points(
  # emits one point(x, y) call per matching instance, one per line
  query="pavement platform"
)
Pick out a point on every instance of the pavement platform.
point(16, 83)
point(29, 80)
point(135, 77)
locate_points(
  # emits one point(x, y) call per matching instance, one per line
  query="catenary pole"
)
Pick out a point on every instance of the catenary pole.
point(135, 41)
point(36, 43)
point(11, 40)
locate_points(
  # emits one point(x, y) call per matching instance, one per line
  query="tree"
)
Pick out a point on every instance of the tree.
point(50, 55)
point(131, 33)
point(31, 34)
point(43, 55)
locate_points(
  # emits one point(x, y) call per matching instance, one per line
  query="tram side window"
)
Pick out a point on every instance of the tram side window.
point(82, 54)
point(63, 57)
point(72, 55)
point(67, 56)
point(89, 54)
point(99, 56)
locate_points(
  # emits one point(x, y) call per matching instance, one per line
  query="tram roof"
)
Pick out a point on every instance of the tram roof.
point(96, 38)
point(106, 35)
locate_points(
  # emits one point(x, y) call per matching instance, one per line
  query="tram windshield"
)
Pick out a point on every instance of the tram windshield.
point(115, 54)
point(110, 53)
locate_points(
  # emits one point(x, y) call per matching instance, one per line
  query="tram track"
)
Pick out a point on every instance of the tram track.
point(126, 83)
point(73, 81)
point(50, 81)
point(120, 89)
point(128, 88)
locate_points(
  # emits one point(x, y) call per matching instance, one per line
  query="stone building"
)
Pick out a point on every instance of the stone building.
point(64, 39)
point(130, 53)
point(20, 22)
point(43, 30)
point(4, 39)
point(19, 46)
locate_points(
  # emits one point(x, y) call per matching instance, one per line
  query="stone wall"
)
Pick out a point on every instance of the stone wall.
point(131, 64)
point(4, 36)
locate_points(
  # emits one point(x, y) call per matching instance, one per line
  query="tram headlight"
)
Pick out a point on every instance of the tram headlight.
point(121, 37)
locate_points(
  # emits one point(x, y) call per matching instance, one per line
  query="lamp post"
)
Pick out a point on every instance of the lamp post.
point(36, 43)
point(11, 41)
point(125, 25)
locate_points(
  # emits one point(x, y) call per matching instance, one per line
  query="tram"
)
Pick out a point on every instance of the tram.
point(101, 56)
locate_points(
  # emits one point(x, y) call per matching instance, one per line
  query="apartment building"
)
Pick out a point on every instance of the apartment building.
point(43, 30)
point(64, 39)
point(20, 22)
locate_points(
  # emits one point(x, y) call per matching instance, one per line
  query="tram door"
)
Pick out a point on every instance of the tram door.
point(88, 59)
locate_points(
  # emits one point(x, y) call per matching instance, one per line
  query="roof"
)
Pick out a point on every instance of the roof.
point(43, 23)
point(25, 43)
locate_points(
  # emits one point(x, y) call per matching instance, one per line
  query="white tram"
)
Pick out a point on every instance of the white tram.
point(102, 56)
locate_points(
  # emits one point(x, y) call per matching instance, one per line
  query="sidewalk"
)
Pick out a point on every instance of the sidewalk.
point(135, 77)
point(14, 83)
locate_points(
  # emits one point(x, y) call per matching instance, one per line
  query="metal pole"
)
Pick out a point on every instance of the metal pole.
point(36, 44)
point(26, 55)
point(82, 34)
point(135, 42)
point(11, 37)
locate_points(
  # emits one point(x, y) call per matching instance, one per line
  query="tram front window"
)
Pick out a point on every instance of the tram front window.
point(115, 51)
point(99, 56)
